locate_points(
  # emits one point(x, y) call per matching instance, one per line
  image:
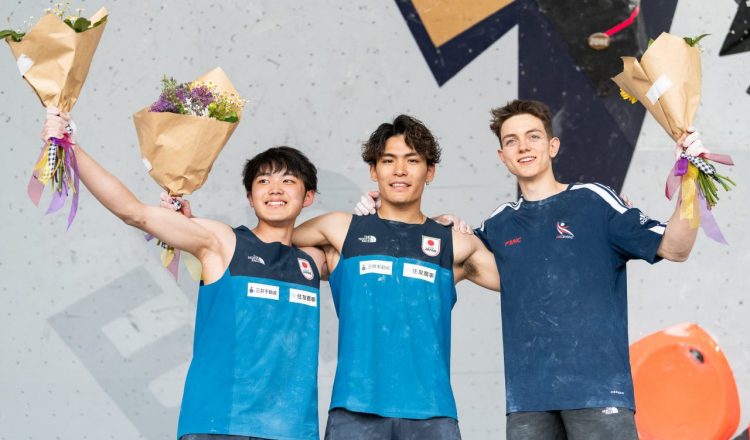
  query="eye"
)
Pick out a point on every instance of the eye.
point(290, 180)
point(510, 142)
point(386, 160)
point(263, 180)
point(413, 160)
point(535, 137)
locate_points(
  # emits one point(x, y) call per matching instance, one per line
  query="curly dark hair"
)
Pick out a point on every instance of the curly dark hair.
point(519, 107)
point(416, 135)
point(282, 158)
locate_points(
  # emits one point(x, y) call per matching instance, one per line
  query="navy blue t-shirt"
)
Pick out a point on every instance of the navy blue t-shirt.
point(564, 296)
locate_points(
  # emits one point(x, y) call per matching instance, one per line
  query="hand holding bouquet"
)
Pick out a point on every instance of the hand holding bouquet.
point(54, 58)
point(667, 81)
point(183, 132)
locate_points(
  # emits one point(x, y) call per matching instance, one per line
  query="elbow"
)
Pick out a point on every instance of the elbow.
point(677, 257)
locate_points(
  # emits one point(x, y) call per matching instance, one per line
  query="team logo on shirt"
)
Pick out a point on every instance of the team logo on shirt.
point(256, 259)
point(368, 239)
point(563, 231)
point(430, 246)
point(643, 218)
point(305, 268)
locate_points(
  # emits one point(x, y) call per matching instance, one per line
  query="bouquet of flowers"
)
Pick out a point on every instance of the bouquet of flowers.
point(667, 81)
point(182, 133)
point(54, 58)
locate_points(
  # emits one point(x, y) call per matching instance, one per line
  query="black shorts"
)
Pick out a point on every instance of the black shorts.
point(347, 425)
point(576, 424)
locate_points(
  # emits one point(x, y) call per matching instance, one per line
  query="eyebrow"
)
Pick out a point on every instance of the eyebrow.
point(410, 154)
point(529, 131)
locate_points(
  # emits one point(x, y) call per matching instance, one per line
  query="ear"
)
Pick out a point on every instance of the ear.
point(430, 172)
point(501, 155)
point(250, 199)
point(554, 146)
point(309, 198)
point(373, 174)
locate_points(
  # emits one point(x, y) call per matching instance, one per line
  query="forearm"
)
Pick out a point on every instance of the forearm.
point(679, 238)
point(108, 190)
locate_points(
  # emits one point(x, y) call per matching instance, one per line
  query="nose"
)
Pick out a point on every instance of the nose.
point(524, 145)
point(399, 168)
point(276, 188)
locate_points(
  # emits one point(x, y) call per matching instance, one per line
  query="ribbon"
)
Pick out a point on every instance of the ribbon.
point(61, 172)
point(708, 223)
point(689, 190)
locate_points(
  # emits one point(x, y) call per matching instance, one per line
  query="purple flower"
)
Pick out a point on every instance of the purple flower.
point(164, 104)
point(202, 95)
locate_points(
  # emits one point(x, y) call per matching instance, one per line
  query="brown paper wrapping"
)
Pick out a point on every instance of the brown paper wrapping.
point(671, 56)
point(181, 149)
point(61, 58)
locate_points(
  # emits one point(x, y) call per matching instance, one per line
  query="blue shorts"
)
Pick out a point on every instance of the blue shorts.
point(347, 425)
point(576, 424)
point(218, 437)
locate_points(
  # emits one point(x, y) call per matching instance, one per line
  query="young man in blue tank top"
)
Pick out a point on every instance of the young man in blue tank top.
point(563, 249)
point(393, 279)
point(255, 354)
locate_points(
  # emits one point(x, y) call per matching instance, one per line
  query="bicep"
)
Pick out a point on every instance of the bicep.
point(325, 230)
point(197, 236)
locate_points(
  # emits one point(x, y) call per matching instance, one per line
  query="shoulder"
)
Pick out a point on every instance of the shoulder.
point(601, 194)
point(502, 210)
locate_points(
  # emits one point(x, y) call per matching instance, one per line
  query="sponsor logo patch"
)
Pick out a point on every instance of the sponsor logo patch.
point(513, 241)
point(265, 291)
point(376, 266)
point(563, 231)
point(430, 246)
point(256, 259)
point(368, 239)
point(420, 272)
point(303, 297)
point(305, 268)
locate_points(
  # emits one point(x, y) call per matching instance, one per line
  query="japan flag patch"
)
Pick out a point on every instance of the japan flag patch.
point(305, 268)
point(430, 246)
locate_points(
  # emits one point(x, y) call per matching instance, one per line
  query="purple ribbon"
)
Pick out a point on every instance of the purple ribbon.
point(36, 188)
point(673, 182)
point(708, 222)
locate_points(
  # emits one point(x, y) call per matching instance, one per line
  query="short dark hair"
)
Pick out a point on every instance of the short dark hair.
point(416, 135)
point(519, 107)
point(283, 158)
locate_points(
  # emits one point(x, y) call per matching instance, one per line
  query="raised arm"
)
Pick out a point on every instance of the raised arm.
point(324, 230)
point(206, 239)
point(678, 239)
point(474, 262)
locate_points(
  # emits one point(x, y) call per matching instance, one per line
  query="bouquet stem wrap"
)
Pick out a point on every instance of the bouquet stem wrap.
point(667, 81)
point(55, 60)
point(179, 150)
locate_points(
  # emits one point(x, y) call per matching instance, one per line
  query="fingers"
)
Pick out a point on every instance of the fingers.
point(459, 225)
point(367, 205)
point(55, 125)
point(626, 200)
point(375, 196)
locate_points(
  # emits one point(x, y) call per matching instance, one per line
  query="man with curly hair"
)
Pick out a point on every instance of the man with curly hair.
point(393, 279)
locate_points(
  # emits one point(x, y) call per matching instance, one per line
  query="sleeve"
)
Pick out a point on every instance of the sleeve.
point(481, 232)
point(633, 234)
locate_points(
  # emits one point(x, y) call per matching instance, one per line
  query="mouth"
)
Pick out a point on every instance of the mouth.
point(275, 203)
point(399, 186)
point(526, 160)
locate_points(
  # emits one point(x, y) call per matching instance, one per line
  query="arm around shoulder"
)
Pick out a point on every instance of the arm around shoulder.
point(474, 262)
point(324, 230)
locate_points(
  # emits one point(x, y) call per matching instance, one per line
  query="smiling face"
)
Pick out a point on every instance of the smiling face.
point(401, 173)
point(526, 149)
point(278, 198)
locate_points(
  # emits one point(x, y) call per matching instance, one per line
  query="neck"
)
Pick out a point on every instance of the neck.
point(406, 213)
point(540, 188)
point(270, 233)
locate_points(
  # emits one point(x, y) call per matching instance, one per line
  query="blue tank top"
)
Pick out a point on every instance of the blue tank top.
point(393, 289)
point(255, 350)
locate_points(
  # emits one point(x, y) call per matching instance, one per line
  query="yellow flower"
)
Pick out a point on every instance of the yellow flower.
point(626, 96)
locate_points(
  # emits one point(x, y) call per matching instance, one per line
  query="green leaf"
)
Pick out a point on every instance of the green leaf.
point(650, 42)
point(15, 36)
point(694, 41)
point(81, 24)
point(101, 20)
point(232, 118)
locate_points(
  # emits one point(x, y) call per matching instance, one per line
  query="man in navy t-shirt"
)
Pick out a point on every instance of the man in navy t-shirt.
point(562, 251)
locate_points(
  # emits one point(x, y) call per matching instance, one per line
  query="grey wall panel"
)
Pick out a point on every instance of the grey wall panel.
point(95, 335)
